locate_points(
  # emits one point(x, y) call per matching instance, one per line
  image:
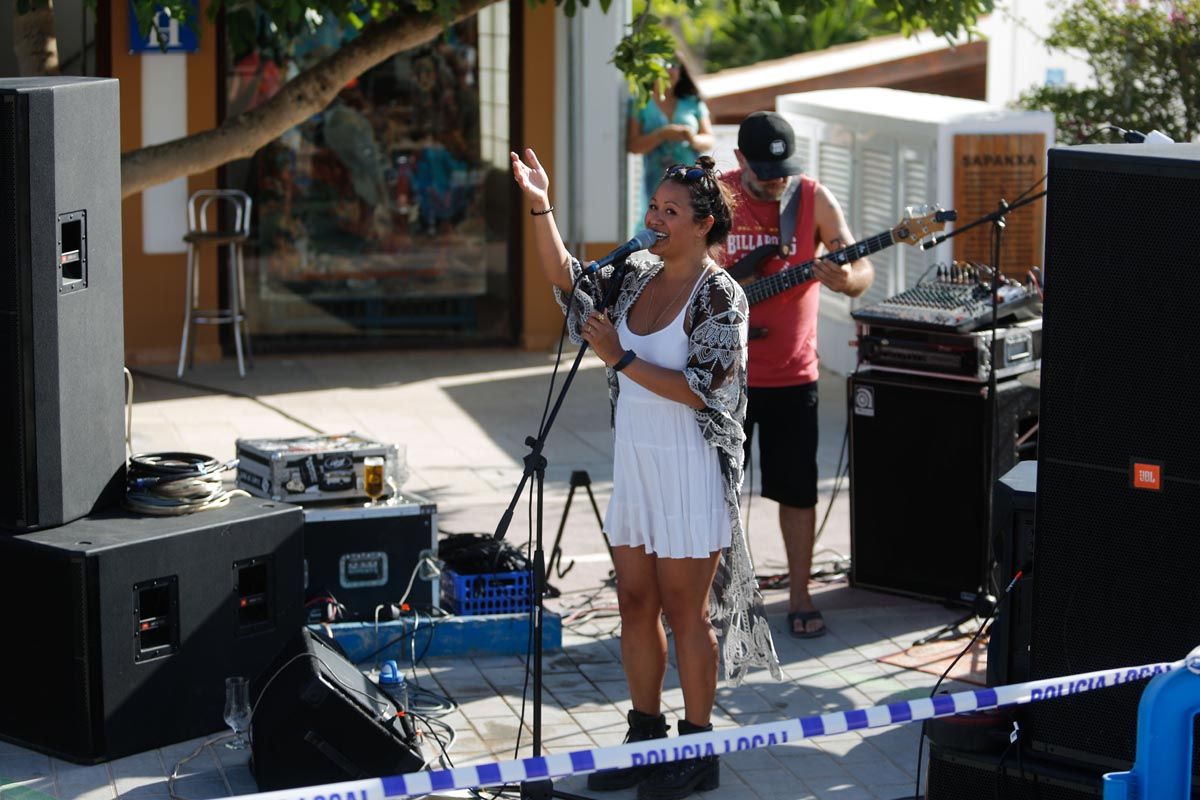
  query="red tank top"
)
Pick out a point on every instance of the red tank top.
point(787, 355)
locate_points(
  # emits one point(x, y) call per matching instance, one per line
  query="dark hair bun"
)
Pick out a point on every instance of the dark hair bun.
point(706, 163)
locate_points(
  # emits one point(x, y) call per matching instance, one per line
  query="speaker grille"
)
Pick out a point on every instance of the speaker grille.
point(926, 438)
point(1121, 369)
point(1120, 383)
point(14, 505)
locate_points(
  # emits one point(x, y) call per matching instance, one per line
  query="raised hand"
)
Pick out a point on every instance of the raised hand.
point(531, 176)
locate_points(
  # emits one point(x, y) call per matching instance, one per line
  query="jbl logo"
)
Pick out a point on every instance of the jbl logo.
point(1147, 475)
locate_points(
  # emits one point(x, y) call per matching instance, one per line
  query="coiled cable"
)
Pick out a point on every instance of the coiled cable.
point(169, 484)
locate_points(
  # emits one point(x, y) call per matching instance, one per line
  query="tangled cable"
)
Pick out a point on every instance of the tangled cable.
point(479, 553)
point(168, 484)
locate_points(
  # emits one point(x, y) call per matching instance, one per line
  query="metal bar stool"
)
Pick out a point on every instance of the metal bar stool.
point(238, 203)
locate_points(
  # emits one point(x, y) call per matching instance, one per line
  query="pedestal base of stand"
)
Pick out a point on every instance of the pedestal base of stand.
point(537, 790)
point(544, 790)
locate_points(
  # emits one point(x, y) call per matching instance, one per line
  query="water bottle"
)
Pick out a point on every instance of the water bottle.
point(391, 681)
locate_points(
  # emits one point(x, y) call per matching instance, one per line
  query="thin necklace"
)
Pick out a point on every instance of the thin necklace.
point(663, 310)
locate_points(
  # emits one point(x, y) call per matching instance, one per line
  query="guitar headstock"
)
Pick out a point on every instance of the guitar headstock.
point(921, 222)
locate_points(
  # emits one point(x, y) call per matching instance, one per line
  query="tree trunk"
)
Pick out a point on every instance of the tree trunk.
point(34, 41)
point(300, 98)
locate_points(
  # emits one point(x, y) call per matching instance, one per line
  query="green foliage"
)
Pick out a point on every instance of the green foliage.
point(768, 30)
point(1145, 59)
point(735, 33)
point(787, 26)
point(641, 55)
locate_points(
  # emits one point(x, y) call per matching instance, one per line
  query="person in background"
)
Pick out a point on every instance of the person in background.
point(674, 345)
point(672, 127)
point(783, 363)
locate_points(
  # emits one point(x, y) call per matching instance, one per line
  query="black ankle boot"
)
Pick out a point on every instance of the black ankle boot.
point(677, 779)
point(642, 728)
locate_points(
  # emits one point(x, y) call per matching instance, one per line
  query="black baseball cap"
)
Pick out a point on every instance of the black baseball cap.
point(766, 140)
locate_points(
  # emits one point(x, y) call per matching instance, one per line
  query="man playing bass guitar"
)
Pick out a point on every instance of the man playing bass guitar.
point(783, 362)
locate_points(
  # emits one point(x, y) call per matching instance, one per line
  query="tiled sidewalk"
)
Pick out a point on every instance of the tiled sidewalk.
point(463, 417)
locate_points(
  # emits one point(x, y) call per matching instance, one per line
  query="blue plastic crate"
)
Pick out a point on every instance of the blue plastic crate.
point(489, 593)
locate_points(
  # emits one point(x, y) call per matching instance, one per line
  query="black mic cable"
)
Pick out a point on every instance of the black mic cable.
point(170, 484)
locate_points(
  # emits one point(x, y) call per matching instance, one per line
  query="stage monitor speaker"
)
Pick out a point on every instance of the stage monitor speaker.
point(1012, 547)
point(921, 470)
point(957, 775)
point(319, 720)
point(1118, 488)
point(131, 624)
point(62, 430)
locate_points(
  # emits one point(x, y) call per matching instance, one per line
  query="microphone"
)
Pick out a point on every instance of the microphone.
point(644, 239)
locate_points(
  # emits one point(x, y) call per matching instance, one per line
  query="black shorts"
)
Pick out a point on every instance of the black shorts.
point(786, 418)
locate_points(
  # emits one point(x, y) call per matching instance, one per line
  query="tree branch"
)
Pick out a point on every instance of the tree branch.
point(306, 94)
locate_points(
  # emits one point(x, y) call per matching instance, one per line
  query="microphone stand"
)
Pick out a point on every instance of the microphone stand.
point(535, 467)
point(984, 604)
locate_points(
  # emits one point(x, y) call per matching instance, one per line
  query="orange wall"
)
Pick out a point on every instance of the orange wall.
point(154, 284)
point(541, 320)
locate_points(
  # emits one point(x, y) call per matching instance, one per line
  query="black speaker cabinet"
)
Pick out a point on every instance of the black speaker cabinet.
point(1118, 486)
point(319, 720)
point(956, 775)
point(921, 472)
point(364, 557)
point(131, 624)
point(1012, 547)
point(62, 430)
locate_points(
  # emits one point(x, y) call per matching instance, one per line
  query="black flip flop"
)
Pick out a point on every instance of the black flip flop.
point(806, 617)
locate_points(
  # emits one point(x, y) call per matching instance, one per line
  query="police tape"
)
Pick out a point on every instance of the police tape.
point(764, 734)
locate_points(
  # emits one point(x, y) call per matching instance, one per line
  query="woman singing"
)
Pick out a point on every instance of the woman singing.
point(674, 343)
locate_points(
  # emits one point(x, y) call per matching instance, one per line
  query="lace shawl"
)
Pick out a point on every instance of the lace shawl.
point(718, 326)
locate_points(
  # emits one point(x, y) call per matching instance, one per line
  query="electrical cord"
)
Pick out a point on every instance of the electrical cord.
point(170, 484)
point(982, 627)
point(333, 610)
point(128, 412)
point(1129, 137)
point(174, 776)
point(406, 635)
point(562, 335)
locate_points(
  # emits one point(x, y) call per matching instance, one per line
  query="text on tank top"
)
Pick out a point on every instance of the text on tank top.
point(787, 355)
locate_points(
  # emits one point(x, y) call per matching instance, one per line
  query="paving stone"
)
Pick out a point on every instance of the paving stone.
point(775, 784)
point(24, 765)
point(29, 788)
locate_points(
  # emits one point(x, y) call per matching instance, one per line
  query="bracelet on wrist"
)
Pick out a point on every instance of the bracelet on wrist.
point(624, 361)
point(533, 213)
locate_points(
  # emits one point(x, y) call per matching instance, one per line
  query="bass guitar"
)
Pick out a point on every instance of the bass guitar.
point(919, 224)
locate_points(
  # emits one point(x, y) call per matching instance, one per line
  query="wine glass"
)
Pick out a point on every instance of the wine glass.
point(373, 481)
point(237, 711)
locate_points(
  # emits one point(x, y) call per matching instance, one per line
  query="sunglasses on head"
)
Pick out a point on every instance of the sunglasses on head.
point(684, 173)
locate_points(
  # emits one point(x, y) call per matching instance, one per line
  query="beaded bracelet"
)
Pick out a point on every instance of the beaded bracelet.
point(533, 213)
point(624, 361)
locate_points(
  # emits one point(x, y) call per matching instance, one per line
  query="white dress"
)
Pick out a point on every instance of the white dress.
point(716, 372)
point(668, 493)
